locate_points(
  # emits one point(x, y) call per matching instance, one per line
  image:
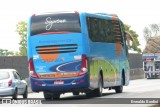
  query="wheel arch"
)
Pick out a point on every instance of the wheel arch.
point(123, 76)
point(101, 74)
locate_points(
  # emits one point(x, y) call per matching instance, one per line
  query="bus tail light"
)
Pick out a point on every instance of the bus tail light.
point(84, 67)
point(31, 69)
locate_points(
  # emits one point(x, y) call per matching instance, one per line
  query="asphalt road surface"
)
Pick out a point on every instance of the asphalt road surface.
point(138, 90)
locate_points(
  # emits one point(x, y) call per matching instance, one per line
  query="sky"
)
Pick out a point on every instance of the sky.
point(136, 13)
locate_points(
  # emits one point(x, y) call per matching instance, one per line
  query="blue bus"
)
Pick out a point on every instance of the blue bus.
point(76, 52)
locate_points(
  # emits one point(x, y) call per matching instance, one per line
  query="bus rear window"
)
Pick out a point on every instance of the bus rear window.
point(62, 22)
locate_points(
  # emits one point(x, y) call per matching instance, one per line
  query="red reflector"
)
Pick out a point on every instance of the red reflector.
point(81, 80)
point(35, 82)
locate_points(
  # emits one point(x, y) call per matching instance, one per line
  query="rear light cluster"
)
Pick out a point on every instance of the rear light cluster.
point(10, 83)
point(84, 65)
point(32, 72)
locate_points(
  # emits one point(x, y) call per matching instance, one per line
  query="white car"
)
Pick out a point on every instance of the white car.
point(12, 84)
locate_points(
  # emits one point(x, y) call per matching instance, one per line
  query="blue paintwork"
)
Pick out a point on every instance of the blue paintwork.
point(96, 53)
point(68, 86)
point(67, 67)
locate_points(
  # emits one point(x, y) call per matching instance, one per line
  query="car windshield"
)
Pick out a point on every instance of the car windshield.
point(4, 75)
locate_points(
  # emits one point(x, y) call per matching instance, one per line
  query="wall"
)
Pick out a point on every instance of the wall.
point(15, 62)
point(20, 63)
point(135, 61)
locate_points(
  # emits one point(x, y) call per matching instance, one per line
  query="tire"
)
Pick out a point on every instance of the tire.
point(75, 93)
point(56, 96)
point(25, 95)
point(98, 92)
point(47, 96)
point(89, 94)
point(119, 89)
point(15, 94)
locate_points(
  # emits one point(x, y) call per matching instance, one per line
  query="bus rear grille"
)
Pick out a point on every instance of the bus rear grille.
point(54, 49)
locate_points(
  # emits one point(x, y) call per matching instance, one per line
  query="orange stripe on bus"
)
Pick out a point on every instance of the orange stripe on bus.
point(49, 57)
point(47, 48)
point(59, 75)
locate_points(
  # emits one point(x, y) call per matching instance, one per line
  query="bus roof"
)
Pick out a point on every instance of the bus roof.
point(97, 15)
point(101, 15)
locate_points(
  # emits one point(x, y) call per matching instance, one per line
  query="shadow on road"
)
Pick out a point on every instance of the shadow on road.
point(79, 99)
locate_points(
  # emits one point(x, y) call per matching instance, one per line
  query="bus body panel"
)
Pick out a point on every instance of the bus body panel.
point(66, 52)
point(108, 58)
point(68, 49)
point(70, 84)
point(63, 63)
point(103, 57)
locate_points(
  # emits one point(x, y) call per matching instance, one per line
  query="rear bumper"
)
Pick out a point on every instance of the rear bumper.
point(6, 91)
point(80, 83)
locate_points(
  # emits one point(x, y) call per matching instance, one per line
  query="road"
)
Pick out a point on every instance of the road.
point(141, 88)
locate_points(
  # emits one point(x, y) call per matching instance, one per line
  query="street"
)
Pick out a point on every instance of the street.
point(141, 88)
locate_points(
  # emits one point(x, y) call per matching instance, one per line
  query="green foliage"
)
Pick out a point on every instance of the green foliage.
point(22, 31)
point(5, 52)
point(134, 37)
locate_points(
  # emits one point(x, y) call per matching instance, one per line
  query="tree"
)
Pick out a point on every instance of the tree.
point(5, 52)
point(154, 28)
point(151, 30)
point(22, 31)
point(132, 36)
point(147, 33)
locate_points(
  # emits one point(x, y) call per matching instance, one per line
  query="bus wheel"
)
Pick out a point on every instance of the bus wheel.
point(56, 96)
point(119, 89)
point(89, 94)
point(98, 91)
point(47, 96)
point(75, 93)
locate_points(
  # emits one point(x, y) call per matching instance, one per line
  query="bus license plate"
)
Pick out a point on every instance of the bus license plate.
point(58, 82)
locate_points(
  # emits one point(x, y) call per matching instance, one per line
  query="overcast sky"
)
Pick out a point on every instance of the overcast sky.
point(136, 13)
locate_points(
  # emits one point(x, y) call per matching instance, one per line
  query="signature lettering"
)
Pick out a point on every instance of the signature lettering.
point(49, 22)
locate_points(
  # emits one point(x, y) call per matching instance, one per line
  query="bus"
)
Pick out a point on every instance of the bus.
point(77, 52)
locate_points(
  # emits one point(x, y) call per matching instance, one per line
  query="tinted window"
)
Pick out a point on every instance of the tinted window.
point(101, 30)
point(15, 76)
point(18, 76)
point(4, 75)
point(63, 22)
